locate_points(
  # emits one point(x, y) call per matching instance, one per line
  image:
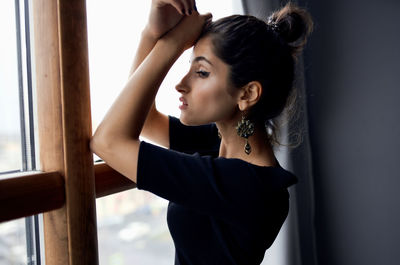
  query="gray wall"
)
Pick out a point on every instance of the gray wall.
point(346, 206)
point(352, 82)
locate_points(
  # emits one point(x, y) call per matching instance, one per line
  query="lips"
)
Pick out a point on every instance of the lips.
point(184, 103)
point(183, 100)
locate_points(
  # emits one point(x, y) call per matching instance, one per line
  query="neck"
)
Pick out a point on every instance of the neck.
point(232, 145)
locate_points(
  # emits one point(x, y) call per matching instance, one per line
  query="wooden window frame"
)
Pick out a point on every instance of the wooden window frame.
point(66, 189)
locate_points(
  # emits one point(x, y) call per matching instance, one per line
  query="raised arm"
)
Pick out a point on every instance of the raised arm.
point(116, 140)
point(164, 15)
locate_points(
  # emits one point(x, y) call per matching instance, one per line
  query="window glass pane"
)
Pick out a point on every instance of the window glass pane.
point(18, 239)
point(132, 227)
point(13, 243)
point(10, 139)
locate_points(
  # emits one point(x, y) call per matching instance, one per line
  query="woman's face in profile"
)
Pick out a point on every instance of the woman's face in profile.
point(206, 91)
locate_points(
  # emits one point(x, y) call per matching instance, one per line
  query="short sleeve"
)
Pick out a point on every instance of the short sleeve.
point(219, 186)
point(201, 139)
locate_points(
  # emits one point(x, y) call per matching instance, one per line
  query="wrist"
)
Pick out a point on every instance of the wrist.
point(149, 35)
point(170, 46)
point(173, 42)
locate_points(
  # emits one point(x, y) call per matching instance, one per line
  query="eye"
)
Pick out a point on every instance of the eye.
point(202, 74)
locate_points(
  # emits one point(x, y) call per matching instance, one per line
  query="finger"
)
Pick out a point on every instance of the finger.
point(187, 6)
point(190, 6)
point(178, 6)
point(207, 17)
point(193, 5)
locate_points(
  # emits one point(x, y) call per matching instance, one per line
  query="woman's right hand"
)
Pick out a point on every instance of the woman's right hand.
point(166, 14)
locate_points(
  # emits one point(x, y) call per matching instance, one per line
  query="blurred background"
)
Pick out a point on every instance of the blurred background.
point(344, 210)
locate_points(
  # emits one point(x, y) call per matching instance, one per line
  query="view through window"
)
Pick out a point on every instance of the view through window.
point(10, 135)
point(19, 239)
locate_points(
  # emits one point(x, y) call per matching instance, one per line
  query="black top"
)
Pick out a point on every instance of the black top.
point(221, 211)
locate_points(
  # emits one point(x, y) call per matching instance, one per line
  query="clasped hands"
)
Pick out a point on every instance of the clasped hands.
point(177, 20)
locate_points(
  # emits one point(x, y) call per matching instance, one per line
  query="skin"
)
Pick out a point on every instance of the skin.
point(168, 33)
point(205, 88)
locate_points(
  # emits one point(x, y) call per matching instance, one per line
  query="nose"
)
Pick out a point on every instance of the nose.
point(182, 86)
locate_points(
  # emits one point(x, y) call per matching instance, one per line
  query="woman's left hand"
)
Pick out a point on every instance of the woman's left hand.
point(165, 14)
point(188, 30)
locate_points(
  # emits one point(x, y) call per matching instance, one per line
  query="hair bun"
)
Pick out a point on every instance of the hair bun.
point(293, 24)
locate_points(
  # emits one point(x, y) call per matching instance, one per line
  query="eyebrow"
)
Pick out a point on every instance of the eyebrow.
point(201, 58)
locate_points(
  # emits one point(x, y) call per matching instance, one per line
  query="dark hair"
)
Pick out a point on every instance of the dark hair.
point(261, 51)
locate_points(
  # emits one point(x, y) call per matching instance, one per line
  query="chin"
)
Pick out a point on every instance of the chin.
point(186, 121)
point(191, 121)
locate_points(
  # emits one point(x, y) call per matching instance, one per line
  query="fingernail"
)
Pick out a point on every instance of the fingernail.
point(195, 7)
point(183, 11)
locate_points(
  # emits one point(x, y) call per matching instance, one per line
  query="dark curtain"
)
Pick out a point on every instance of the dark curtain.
point(301, 242)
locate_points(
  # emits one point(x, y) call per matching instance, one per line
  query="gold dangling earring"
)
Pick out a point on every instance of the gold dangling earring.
point(245, 129)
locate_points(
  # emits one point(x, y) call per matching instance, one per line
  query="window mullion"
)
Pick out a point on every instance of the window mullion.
point(30, 242)
point(29, 105)
point(26, 118)
point(36, 246)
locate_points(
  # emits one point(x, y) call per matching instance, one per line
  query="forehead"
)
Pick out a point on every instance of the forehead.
point(203, 46)
point(204, 49)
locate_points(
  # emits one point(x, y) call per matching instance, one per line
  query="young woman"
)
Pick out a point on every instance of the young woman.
point(228, 195)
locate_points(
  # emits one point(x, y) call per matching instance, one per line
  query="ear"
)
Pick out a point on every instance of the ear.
point(249, 95)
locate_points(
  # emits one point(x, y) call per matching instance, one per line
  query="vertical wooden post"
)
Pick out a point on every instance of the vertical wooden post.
point(48, 89)
point(65, 128)
point(78, 159)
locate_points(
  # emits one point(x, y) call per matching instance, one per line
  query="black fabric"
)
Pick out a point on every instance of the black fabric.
point(193, 139)
point(221, 211)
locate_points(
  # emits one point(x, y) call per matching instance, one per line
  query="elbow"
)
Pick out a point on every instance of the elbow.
point(93, 144)
point(99, 145)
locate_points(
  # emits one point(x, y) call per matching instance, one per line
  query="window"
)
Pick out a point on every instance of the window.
point(13, 242)
point(19, 239)
point(10, 135)
point(17, 133)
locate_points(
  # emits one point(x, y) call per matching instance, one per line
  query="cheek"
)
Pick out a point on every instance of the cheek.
point(209, 94)
point(216, 102)
point(209, 104)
